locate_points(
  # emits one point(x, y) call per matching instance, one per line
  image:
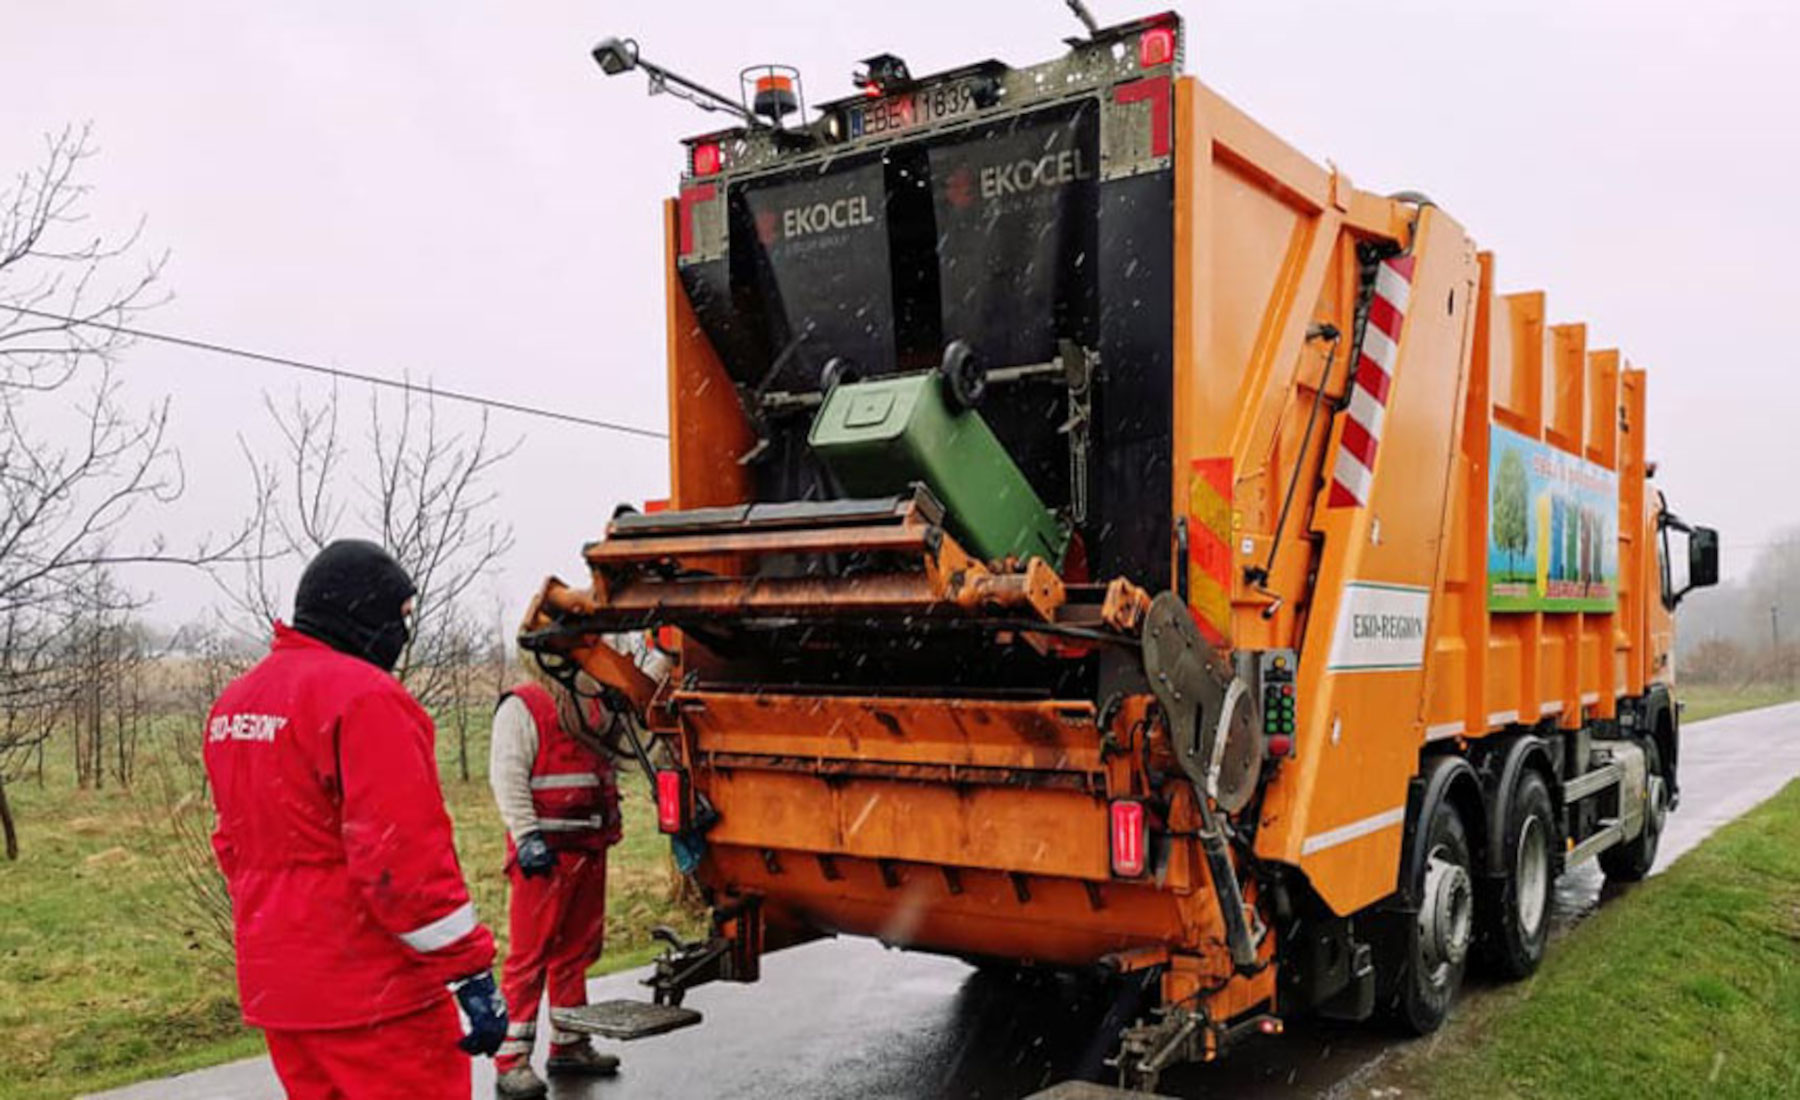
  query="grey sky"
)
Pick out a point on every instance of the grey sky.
point(450, 188)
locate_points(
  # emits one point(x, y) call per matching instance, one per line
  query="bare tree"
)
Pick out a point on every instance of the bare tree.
point(174, 800)
point(105, 654)
point(462, 656)
point(38, 691)
point(77, 463)
point(420, 488)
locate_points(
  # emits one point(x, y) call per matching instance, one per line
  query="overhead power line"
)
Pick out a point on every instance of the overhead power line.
point(339, 372)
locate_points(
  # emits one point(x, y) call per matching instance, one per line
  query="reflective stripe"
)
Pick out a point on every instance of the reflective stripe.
point(1392, 285)
point(1343, 834)
point(570, 825)
point(1378, 347)
point(558, 1036)
point(564, 782)
point(1448, 729)
point(1367, 411)
point(1353, 475)
point(443, 932)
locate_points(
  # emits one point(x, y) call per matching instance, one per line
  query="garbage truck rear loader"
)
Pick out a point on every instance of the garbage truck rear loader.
point(1103, 538)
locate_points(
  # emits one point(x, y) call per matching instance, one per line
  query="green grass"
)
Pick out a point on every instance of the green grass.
point(107, 978)
point(1702, 701)
point(1689, 985)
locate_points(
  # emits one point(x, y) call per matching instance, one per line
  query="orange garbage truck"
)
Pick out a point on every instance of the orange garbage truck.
point(1104, 539)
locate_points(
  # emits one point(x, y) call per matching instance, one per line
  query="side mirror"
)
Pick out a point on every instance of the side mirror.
point(1703, 558)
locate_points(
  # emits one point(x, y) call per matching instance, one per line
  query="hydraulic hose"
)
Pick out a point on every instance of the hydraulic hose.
point(1225, 886)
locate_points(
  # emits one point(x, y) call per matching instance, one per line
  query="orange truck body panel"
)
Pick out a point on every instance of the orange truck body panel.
point(979, 826)
point(1265, 244)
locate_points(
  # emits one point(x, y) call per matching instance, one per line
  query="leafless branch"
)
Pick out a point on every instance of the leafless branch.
point(419, 487)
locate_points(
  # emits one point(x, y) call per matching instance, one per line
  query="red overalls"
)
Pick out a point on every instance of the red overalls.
point(558, 921)
point(348, 906)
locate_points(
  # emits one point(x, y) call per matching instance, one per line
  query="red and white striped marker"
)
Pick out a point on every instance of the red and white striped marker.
point(1354, 474)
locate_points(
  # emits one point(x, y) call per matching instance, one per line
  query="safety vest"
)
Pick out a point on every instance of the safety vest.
point(573, 789)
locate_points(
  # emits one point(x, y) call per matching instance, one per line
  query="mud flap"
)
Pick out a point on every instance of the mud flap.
point(623, 1019)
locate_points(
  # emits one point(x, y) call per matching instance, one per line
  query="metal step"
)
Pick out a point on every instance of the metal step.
point(624, 1019)
point(1592, 782)
point(1087, 1090)
point(1611, 831)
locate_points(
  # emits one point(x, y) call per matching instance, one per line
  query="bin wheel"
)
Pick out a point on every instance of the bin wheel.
point(837, 371)
point(965, 379)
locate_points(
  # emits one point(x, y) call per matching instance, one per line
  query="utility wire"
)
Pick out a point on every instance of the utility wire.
point(338, 372)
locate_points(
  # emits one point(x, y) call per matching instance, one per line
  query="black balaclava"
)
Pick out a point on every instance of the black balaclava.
point(350, 597)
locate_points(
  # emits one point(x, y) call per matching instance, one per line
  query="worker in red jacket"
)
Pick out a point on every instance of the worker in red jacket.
point(551, 769)
point(350, 910)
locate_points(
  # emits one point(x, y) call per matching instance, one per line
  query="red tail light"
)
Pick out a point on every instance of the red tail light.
point(671, 800)
point(1156, 47)
point(1130, 839)
point(707, 158)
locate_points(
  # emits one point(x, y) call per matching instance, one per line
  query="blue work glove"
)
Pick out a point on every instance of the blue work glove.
point(535, 857)
point(689, 848)
point(482, 1004)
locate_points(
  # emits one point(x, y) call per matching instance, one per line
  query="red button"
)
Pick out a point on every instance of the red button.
point(1280, 745)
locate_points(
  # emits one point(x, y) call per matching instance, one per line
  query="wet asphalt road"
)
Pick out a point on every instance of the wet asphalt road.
point(847, 1018)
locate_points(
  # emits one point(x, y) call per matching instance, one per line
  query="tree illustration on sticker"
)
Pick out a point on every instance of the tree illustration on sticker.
point(1509, 518)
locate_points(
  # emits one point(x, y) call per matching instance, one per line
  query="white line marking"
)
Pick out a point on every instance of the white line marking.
point(1343, 834)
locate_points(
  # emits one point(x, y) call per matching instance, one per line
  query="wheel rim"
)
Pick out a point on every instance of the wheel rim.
point(1531, 871)
point(1658, 809)
point(1447, 917)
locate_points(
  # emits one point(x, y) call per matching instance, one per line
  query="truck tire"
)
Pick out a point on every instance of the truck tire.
point(1516, 921)
point(1437, 940)
point(1632, 860)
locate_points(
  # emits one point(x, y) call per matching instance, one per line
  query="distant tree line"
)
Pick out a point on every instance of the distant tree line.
point(1746, 631)
point(82, 474)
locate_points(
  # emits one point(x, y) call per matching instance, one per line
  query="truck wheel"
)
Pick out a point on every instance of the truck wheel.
point(1517, 920)
point(1632, 860)
point(1437, 940)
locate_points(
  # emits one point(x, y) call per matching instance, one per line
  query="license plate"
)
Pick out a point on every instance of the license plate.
point(908, 110)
